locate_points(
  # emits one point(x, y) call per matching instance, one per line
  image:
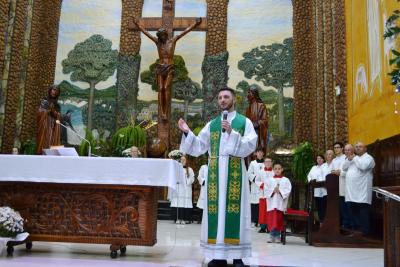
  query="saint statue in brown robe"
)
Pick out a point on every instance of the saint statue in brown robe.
point(49, 112)
point(258, 114)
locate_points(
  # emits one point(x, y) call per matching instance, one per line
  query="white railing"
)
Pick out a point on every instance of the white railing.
point(385, 194)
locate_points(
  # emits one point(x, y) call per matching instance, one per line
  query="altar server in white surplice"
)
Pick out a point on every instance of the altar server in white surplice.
point(226, 226)
point(182, 197)
point(253, 174)
point(277, 190)
point(202, 178)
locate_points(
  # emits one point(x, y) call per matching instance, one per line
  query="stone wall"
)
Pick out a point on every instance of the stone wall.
point(319, 66)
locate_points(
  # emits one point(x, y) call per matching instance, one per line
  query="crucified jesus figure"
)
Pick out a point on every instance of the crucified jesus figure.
point(165, 67)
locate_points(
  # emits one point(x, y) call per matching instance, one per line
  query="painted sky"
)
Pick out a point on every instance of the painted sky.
point(250, 24)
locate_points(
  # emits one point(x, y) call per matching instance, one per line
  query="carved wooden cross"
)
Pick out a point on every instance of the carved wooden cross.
point(168, 21)
point(170, 24)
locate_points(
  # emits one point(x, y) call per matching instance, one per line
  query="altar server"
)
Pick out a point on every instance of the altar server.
point(265, 174)
point(202, 178)
point(253, 174)
point(277, 190)
point(182, 196)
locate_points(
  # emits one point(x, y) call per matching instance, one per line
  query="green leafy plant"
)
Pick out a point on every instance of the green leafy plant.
point(303, 160)
point(392, 30)
point(127, 137)
point(28, 147)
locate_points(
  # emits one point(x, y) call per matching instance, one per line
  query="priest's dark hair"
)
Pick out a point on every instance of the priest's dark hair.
point(227, 89)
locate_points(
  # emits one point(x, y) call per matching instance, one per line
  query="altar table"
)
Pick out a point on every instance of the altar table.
point(87, 200)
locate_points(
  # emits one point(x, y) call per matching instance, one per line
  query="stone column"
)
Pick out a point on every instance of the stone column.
point(303, 51)
point(320, 65)
point(11, 90)
point(215, 65)
point(128, 65)
point(41, 61)
point(341, 122)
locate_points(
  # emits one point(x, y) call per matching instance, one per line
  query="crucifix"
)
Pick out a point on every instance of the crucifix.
point(166, 42)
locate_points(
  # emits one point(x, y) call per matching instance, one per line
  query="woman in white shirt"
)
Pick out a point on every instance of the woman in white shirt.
point(317, 174)
point(182, 196)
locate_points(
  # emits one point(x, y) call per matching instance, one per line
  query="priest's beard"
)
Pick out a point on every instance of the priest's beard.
point(228, 107)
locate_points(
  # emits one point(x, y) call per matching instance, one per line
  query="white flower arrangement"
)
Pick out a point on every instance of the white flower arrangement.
point(11, 222)
point(175, 154)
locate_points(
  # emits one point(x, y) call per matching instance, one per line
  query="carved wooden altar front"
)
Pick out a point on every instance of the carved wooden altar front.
point(119, 215)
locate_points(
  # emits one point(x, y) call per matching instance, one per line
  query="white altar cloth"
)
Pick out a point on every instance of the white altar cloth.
point(94, 170)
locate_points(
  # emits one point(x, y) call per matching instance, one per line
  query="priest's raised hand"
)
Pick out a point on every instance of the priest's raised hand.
point(183, 126)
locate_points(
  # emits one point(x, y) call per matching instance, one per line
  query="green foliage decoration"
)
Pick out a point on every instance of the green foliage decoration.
point(128, 136)
point(392, 30)
point(303, 160)
point(28, 147)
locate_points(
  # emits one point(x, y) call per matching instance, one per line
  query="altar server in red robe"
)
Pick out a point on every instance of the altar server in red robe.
point(277, 190)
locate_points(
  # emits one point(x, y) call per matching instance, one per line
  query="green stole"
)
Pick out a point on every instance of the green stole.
point(233, 196)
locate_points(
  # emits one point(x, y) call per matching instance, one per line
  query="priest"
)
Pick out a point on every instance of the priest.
point(228, 138)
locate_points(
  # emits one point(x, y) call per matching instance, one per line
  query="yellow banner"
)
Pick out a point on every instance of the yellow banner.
point(371, 97)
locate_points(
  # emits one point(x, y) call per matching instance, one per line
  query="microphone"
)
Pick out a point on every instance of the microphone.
point(224, 117)
point(84, 139)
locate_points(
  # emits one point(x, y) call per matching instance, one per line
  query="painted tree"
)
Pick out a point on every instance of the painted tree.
point(91, 61)
point(186, 90)
point(183, 88)
point(271, 65)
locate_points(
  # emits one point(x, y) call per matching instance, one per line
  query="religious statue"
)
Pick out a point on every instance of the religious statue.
point(165, 67)
point(48, 129)
point(258, 114)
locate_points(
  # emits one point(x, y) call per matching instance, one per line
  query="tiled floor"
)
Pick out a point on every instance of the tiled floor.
point(179, 246)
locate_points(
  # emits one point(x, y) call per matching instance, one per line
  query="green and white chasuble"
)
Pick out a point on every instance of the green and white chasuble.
point(226, 216)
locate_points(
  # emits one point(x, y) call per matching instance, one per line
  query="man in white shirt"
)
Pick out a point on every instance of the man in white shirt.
point(338, 161)
point(253, 174)
point(359, 185)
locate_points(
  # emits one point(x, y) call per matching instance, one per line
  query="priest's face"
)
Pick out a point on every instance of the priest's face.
point(226, 100)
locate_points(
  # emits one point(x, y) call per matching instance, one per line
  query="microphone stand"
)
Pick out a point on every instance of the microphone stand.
point(82, 138)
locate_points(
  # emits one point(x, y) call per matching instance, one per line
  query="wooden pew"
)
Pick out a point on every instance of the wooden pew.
point(330, 234)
